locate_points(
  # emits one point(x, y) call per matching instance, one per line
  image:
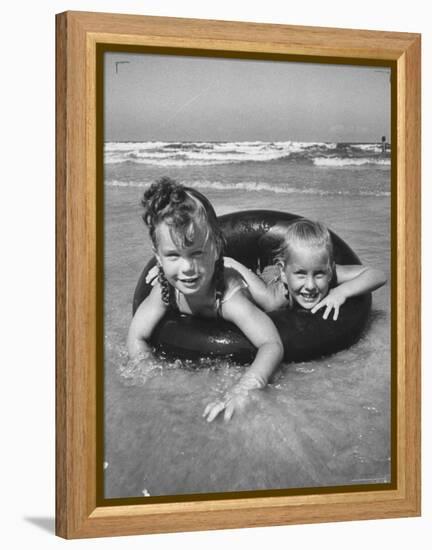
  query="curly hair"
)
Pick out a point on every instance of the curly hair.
point(185, 211)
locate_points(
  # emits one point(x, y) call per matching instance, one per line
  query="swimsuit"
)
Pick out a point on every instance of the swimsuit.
point(239, 284)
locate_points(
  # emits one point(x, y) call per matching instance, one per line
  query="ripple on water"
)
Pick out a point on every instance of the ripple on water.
point(304, 370)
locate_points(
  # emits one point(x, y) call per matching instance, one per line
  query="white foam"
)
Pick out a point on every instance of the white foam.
point(132, 145)
point(369, 147)
point(206, 153)
point(252, 186)
point(340, 162)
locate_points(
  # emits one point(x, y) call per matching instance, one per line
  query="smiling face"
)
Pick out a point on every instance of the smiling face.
point(190, 268)
point(308, 274)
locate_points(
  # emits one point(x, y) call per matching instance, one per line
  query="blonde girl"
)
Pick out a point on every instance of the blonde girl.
point(305, 274)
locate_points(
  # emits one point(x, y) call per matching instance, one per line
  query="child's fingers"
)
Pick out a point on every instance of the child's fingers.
point(336, 313)
point(215, 410)
point(318, 306)
point(211, 408)
point(208, 408)
point(152, 276)
point(327, 311)
point(229, 411)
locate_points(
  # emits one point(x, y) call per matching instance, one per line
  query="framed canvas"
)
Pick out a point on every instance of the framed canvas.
point(265, 121)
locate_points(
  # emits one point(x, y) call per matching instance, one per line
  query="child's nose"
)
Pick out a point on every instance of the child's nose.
point(188, 265)
point(310, 283)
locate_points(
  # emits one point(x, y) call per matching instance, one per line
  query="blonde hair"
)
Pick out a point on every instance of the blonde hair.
point(304, 232)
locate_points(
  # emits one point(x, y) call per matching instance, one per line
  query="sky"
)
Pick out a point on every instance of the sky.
point(179, 98)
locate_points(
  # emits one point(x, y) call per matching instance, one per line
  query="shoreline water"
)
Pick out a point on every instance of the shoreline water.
point(321, 423)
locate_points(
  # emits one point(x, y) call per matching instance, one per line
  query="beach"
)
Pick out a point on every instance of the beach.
point(320, 423)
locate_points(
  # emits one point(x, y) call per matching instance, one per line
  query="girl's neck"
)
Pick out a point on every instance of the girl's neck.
point(204, 299)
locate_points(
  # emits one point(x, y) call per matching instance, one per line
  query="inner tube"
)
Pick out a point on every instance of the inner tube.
point(251, 239)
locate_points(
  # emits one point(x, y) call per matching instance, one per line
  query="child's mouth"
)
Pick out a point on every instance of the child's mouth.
point(309, 297)
point(189, 281)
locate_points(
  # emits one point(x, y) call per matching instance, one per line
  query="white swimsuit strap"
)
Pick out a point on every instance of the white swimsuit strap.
point(227, 296)
point(233, 291)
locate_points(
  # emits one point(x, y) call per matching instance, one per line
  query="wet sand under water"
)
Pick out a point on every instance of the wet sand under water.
point(320, 423)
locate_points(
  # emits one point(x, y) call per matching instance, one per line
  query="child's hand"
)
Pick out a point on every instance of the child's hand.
point(139, 368)
point(334, 299)
point(230, 403)
point(235, 399)
point(152, 275)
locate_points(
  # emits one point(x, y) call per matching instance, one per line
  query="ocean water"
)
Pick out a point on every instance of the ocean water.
point(320, 423)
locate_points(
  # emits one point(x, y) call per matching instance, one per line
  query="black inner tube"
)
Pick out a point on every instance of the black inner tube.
point(251, 239)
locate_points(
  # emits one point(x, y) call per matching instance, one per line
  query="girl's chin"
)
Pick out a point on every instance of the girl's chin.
point(308, 304)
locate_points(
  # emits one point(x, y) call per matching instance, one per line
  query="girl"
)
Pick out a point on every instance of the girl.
point(188, 246)
point(305, 274)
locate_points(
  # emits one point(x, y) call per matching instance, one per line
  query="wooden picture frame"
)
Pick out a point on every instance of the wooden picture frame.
point(78, 513)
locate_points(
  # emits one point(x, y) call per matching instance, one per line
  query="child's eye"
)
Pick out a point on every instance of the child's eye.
point(198, 253)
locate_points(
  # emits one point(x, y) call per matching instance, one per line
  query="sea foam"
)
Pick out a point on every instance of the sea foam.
point(252, 186)
point(208, 153)
point(335, 162)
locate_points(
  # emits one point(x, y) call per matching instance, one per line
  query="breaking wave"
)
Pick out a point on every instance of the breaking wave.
point(256, 186)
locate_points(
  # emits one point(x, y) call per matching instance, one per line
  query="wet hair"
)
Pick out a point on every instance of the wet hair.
point(304, 232)
point(185, 211)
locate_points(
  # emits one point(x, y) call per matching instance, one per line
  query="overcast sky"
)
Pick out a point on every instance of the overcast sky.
point(173, 98)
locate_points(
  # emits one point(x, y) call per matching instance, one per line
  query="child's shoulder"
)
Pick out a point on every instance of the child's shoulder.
point(234, 283)
point(233, 279)
point(236, 294)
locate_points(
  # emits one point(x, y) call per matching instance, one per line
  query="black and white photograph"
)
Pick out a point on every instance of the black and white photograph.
point(247, 252)
point(166, 382)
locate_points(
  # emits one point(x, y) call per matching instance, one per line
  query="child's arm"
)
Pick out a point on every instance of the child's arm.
point(352, 281)
point(146, 317)
point(260, 330)
point(263, 295)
